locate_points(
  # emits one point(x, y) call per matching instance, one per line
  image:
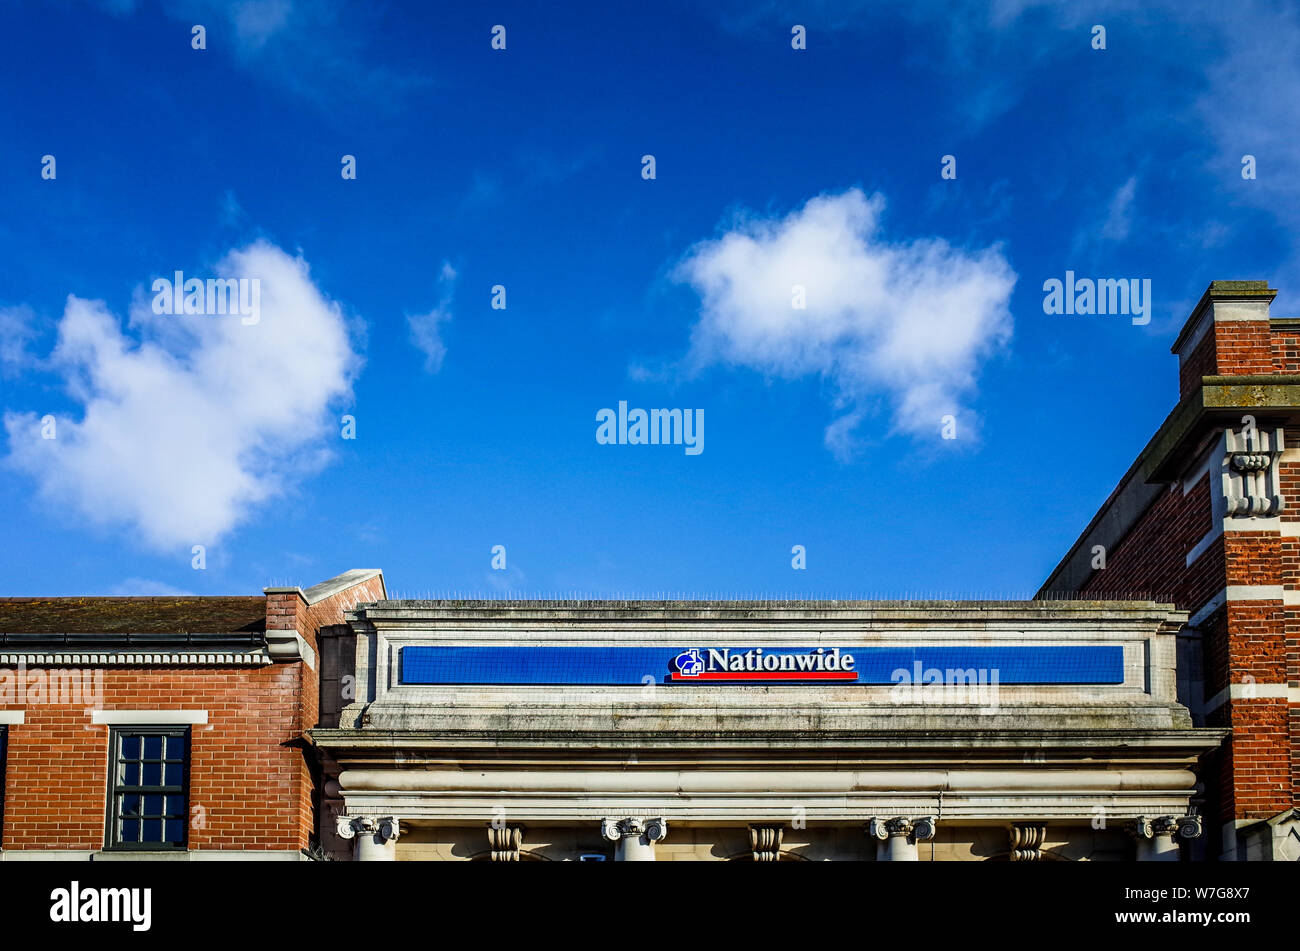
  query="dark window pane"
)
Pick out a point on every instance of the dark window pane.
point(150, 762)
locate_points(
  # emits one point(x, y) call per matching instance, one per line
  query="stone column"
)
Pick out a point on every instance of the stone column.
point(1157, 839)
point(896, 838)
point(635, 837)
point(376, 837)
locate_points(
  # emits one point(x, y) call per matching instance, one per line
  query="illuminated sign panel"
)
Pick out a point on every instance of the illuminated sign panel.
point(616, 666)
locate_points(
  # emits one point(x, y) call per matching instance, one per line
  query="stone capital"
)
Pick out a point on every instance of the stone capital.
point(385, 828)
point(919, 829)
point(1183, 827)
point(653, 830)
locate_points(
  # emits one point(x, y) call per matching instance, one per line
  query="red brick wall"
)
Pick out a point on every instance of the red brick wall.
point(1151, 559)
point(1243, 347)
point(246, 768)
point(1286, 351)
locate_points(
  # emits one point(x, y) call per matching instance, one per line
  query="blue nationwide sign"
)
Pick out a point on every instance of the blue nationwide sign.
point(616, 666)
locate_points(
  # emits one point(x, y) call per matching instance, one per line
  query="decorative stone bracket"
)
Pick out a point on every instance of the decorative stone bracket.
point(506, 842)
point(1027, 842)
point(765, 841)
point(1250, 468)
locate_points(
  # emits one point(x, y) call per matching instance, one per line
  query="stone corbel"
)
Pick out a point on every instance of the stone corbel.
point(765, 842)
point(1027, 842)
point(506, 842)
point(1251, 472)
point(286, 646)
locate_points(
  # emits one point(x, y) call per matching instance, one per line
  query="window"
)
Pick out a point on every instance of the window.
point(148, 788)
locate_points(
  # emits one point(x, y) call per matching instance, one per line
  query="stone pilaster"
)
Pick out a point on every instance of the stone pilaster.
point(634, 838)
point(896, 838)
point(376, 836)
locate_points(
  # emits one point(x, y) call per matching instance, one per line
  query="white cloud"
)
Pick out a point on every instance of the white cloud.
point(910, 321)
point(183, 431)
point(424, 327)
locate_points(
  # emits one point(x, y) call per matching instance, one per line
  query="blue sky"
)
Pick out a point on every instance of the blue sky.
point(523, 168)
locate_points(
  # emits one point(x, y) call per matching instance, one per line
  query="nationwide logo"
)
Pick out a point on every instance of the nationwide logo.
point(700, 664)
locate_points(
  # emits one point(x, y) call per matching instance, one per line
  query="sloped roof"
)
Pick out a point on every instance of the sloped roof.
point(167, 615)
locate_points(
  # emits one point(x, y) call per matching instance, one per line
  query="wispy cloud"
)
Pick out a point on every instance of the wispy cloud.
point(425, 332)
point(1119, 212)
point(319, 50)
point(17, 331)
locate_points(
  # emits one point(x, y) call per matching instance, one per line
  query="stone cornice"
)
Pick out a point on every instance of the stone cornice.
point(976, 744)
point(859, 614)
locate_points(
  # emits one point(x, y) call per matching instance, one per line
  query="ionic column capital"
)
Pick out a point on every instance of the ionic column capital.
point(633, 827)
point(1148, 827)
point(383, 828)
point(919, 829)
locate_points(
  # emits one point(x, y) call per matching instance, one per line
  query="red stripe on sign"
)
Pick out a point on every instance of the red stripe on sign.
point(771, 675)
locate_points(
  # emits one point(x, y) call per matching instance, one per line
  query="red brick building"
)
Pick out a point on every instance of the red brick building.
point(134, 725)
point(1208, 517)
